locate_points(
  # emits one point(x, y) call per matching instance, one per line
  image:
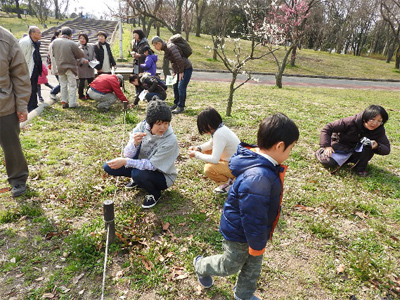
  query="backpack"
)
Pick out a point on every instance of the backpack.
point(182, 44)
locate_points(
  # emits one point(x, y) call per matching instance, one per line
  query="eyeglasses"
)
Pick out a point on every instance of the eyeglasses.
point(375, 122)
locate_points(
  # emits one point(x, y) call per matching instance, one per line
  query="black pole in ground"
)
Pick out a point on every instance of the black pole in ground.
point(108, 209)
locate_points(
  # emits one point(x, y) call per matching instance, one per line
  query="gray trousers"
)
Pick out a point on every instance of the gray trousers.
point(104, 100)
point(16, 166)
point(235, 258)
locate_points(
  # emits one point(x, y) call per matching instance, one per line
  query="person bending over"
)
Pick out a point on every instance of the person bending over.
point(218, 150)
point(149, 157)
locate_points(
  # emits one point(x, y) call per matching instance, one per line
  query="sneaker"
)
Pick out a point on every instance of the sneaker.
point(131, 184)
point(149, 201)
point(41, 100)
point(224, 188)
point(362, 173)
point(53, 96)
point(237, 298)
point(205, 281)
point(82, 98)
point(178, 110)
point(173, 107)
point(64, 105)
point(252, 298)
point(18, 190)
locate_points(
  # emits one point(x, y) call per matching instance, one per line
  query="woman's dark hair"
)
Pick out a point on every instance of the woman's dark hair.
point(56, 35)
point(207, 120)
point(102, 33)
point(85, 36)
point(372, 111)
point(277, 128)
point(140, 33)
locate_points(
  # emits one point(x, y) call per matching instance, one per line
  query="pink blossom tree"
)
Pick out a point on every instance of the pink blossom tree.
point(285, 26)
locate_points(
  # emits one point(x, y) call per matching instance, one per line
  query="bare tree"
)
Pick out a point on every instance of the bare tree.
point(241, 56)
point(390, 12)
point(200, 8)
point(42, 9)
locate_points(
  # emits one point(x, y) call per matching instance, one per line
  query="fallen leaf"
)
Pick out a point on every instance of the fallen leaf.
point(48, 296)
point(119, 274)
point(394, 238)
point(4, 190)
point(166, 226)
point(19, 275)
point(81, 292)
point(180, 277)
point(340, 269)
point(360, 215)
point(64, 289)
point(13, 260)
point(39, 279)
point(77, 278)
point(22, 218)
point(148, 265)
point(302, 207)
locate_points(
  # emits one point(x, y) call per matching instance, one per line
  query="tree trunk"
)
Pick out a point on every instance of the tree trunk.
point(56, 10)
point(179, 7)
point(30, 7)
point(158, 29)
point(230, 97)
point(215, 57)
point(281, 68)
point(17, 8)
point(293, 57)
point(397, 64)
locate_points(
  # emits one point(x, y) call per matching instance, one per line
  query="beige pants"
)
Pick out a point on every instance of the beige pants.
point(220, 172)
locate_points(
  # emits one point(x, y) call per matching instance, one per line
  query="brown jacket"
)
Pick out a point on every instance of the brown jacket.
point(346, 133)
point(178, 62)
point(66, 52)
point(15, 84)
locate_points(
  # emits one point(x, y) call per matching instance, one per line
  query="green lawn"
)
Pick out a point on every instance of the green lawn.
point(338, 235)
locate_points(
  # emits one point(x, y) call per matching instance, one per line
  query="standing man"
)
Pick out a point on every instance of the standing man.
point(181, 66)
point(66, 52)
point(15, 90)
point(30, 47)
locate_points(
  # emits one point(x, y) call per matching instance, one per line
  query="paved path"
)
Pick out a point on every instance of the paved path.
point(262, 79)
point(345, 83)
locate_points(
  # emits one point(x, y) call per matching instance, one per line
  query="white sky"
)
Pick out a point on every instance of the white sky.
point(96, 7)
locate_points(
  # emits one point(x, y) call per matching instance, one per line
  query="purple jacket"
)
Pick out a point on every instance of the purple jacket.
point(150, 64)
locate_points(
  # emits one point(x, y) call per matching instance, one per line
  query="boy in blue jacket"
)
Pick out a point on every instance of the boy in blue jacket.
point(252, 209)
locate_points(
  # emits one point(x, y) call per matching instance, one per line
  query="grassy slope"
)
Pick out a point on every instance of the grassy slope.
point(309, 62)
point(327, 220)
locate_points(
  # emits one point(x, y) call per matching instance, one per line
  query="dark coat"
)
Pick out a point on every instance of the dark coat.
point(345, 134)
point(250, 213)
point(151, 84)
point(138, 46)
point(179, 63)
point(99, 52)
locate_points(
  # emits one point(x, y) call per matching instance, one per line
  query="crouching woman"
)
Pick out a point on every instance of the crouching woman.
point(149, 157)
point(355, 140)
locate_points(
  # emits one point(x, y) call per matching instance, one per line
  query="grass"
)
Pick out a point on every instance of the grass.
point(326, 220)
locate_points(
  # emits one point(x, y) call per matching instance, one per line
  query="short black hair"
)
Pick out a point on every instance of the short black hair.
point(85, 36)
point(147, 48)
point(372, 111)
point(66, 31)
point(56, 35)
point(277, 128)
point(207, 120)
point(140, 33)
point(133, 77)
point(102, 33)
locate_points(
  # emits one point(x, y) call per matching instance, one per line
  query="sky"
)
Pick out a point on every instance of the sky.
point(96, 7)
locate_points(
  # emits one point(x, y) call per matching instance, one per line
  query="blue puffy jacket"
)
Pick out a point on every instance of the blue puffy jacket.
point(252, 209)
point(150, 64)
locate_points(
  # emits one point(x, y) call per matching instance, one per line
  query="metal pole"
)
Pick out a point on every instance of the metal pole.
point(108, 209)
point(120, 32)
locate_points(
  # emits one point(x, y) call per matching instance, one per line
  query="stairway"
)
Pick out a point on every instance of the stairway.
point(78, 25)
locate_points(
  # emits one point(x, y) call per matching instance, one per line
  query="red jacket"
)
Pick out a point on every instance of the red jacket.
point(107, 83)
point(43, 77)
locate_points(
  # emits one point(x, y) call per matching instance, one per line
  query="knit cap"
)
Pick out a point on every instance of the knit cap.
point(158, 110)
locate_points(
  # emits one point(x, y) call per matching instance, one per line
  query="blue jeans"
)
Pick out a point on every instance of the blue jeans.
point(153, 182)
point(181, 86)
point(56, 89)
